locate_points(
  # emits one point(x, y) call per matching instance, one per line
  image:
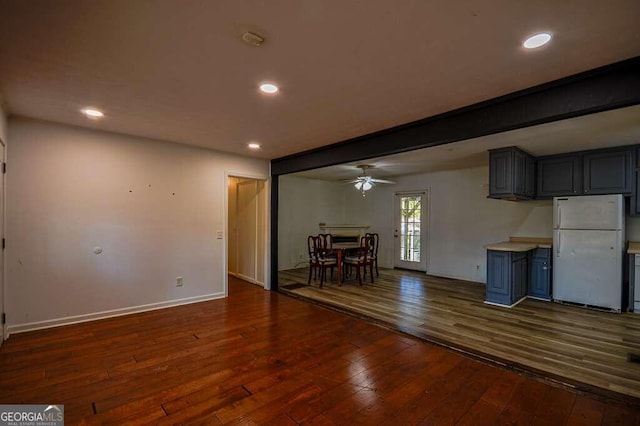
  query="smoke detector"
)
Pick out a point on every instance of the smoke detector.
point(252, 39)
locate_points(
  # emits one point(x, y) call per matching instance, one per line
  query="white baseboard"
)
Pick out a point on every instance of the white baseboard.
point(435, 274)
point(21, 328)
point(246, 278)
point(505, 306)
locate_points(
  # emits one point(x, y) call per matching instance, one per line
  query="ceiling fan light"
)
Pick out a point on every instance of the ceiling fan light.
point(366, 186)
point(358, 185)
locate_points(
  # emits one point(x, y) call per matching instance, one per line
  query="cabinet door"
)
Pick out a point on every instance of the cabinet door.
point(634, 294)
point(530, 173)
point(500, 173)
point(498, 277)
point(608, 172)
point(634, 209)
point(520, 278)
point(559, 176)
point(540, 278)
point(519, 172)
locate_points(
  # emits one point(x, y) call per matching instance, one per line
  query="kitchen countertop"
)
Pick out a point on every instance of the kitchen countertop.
point(519, 244)
point(634, 248)
point(510, 246)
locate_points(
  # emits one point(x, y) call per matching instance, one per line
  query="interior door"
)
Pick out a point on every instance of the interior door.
point(247, 230)
point(410, 230)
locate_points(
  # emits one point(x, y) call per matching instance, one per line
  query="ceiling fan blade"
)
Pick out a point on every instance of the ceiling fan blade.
point(347, 181)
point(382, 181)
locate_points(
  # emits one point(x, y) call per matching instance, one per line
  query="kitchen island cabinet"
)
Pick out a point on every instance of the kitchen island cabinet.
point(507, 273)
point(512, 267)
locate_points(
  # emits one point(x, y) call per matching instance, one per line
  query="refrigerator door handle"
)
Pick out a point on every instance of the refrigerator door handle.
point(559, 223)
point(559, 244)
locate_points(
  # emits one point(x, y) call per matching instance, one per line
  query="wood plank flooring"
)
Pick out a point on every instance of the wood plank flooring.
point(260, 357)
point(574, 345)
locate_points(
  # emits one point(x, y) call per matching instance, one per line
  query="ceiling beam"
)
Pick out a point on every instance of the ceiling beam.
point(601, 89)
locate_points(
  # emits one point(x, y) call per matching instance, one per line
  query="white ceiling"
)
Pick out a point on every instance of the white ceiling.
point(178, 71)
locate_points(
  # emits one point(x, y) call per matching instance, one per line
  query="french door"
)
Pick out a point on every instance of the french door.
point(410, 230)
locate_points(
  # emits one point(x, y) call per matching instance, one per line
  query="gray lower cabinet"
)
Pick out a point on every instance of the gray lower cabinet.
point(634, 283)
point(507, 276)
point(540, 282)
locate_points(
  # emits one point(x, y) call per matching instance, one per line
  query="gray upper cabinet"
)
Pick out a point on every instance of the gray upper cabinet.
point(608, 172)
point(516, 175)
point(559, 175)
point(511, 174)
point(635, 196)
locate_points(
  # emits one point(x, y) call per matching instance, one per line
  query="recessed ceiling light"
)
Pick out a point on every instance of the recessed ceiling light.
point(92, 113)
point(269, 88)
point(537, 40)
point(253, 145)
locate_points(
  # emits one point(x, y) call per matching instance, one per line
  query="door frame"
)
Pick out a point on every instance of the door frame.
point(426, 192)
point(267, 228)
point(3, 198)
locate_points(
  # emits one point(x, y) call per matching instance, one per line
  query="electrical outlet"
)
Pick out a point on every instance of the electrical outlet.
point(179, 281)
point(477, 267)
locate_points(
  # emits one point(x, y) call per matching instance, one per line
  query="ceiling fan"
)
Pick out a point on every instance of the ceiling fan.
point(365, 182)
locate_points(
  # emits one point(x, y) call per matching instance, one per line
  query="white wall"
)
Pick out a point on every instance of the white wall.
point(153, 207)
point(461, 220)
point(303, 204)
point(461, 217)
point(632, 227)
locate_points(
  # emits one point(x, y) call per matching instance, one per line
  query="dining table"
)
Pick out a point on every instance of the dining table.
point(340, 249)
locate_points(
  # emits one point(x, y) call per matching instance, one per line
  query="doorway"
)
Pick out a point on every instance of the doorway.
point(410, 230)
point(246, 227)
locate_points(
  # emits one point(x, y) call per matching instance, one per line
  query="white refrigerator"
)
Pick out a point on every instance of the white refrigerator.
point(588, 246)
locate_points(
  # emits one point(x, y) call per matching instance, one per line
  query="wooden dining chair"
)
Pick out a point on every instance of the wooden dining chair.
point(327, 244)
point(313, 264)
point(360, 259)
point(373, 253)
point(319, 259)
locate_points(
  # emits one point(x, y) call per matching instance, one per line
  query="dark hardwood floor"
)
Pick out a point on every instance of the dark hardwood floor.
point(581, 347)
point(262, 357)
